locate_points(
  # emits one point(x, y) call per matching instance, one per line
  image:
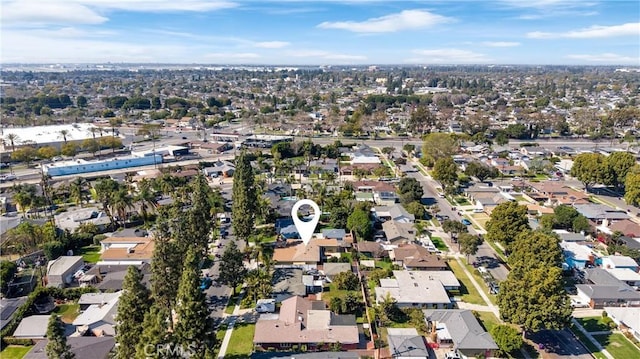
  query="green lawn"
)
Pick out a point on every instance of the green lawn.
point(468, 292)
point(241, 343)
point(68, 312)
point(384, 265)
point(15, 352)
point(618, 346)
point(488, 320)
point(90, 254)
point(439, 243)
point(594, 324)
point(333, 291)
point(462, 201)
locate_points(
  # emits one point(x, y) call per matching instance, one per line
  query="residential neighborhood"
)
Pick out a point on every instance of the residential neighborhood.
point(452, 224)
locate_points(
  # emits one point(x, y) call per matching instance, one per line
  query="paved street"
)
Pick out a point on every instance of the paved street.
point(560, 344)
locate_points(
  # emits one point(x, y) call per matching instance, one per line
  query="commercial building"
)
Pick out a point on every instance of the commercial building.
point(265, 141)
point(53, 135)
point(78, 166)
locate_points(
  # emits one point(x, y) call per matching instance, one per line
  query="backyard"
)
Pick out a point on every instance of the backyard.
point(68, 312)
point(90, 254)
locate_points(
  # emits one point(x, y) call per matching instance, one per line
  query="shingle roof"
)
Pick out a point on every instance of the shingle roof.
point(608, 292)
point(405, 342)
point(82, 347)
point(463, 327)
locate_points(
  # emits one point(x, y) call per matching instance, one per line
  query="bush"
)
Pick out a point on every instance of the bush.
point(17, 341)
point(53, 250)
point(98, 238)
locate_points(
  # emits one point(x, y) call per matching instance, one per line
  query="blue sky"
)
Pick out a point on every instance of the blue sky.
point(321, 32)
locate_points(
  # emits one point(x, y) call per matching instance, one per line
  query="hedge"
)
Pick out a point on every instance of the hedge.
point(17, 341)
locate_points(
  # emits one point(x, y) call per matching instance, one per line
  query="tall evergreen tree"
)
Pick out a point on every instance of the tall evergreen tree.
point(166, 264)
point(193, 326)
point(232, 270)
point(200, 221)
point(57, 347)
point(154, 335)
point(133, 304)
point(244, 198)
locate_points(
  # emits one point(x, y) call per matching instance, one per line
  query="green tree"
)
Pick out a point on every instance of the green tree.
point(358, 222)
point(132, 307)
point(507, 221)
point(69, 149)
point(580, 224)
point(57, 347)
point(53, 250)
point(547, 221)
point(533, 294)
point(439, 145)
point(445, 171)
point(8, 270)
point(200, 217)
point(469, 244)
point(410, 190)
point(620, 163)
point(416, 208)
point(452, 227)
point(336, 304)
point(81, 101)
point(232, 270)
point(346, 281)
point(166, 263)
point(507, 337)
point(244, 198)
point(64, 134)
point(480, 171)
point(591, 168)
point(632, 186)
point(25, 154)
point(78, 190)
point(564, 216)
point(91, 145)
point(193, 326)
point(47, 152)
point(13, 139)
point(155, 333)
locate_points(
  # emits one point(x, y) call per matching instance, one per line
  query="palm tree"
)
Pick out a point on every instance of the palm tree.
point(77, 190)
point(120, 203)
point(64, 134)
point(13, 138)
point(105, 191)
point(146, 198)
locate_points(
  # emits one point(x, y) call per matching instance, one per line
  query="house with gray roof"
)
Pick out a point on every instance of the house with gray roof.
point(460, 328)
point(599, 213)
point(405, 343)
point(220, 169)
point(60, 271)
point(396, 213)
point(287, 283)
point(35, 327)
point(82, 347)
point(99, 319)
point(412, 290)
point(397, 232)
point(8, 307)
point(332, 269)
point(626, 317)
point(604, 289)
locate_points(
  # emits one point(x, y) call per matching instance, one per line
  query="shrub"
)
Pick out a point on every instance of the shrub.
point(98, 238)
point(17, 341)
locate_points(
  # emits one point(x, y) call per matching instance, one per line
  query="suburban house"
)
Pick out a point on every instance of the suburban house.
point(61, 271)
point(220, 169)
point(8, 307)
point(35, 327)
point(406, 343)
point(287, 283)
point(371, 249)
point(350, 170)
point(296, 254)
point(626, 276)
point(305, 325)
point(460, 329)
point(363, 155)
point(619, 262)
point(412, 290)
point(109, 277)
point(99, 319)
point(126, 250)
point(576, 255)
point(393, 213)
point(605, 290)
point(599, 213)
point(88, 299)
point(324, 166)
point(554, 193)
point(627, 319)
point(381, 193)
point(416, 257)
point(345, 240)
point(486, 201)
point(625, 226)
point(398, 232)
point(81, 347)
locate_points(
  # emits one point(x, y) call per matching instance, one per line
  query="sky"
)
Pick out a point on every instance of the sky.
point(329, 32)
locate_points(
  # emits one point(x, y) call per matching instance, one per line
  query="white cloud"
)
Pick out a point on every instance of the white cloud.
point(448, 56)
point(501, 43)
point(596, 31)
point(49, 12)
point(325, 55)
point(405, 20)
point(272, 44)
point(40, 12)
point(546, 4)
point(232, 55)
point(608, 58)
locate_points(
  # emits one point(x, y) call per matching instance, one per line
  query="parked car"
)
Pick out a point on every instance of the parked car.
point(466, 222)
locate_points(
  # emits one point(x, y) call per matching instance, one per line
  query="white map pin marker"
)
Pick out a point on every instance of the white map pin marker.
point(305, 229)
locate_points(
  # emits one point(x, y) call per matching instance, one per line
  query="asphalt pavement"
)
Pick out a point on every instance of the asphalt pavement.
point(560, 344)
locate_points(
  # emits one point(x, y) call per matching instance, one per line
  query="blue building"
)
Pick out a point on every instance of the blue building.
point(78, 166)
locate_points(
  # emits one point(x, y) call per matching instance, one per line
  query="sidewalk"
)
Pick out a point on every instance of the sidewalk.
point(230, 324)
point(591, 339)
